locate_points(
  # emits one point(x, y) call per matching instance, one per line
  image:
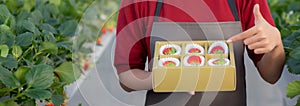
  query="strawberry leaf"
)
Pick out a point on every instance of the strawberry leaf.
point(293, 61)
point(38, 93)
point(4, 50)
point(7, 78)
point(40, 76)
point(67, 73)
point(293, 89)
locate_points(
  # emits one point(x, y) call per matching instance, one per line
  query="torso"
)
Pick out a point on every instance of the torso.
point(202, 12)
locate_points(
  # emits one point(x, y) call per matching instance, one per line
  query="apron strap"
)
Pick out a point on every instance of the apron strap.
point(234, 9)
point(157, 10)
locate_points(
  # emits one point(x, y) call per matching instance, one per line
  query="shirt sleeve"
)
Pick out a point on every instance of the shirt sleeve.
point(245, 8)
point(130, 51)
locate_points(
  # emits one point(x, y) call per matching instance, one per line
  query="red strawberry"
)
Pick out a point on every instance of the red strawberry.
point(194, 60)
point(99, 40)
point(111, 29)
point(194, 50)
point(169, 63)
point(217, 50)
point(169, 51)
point(49, 104)
point(219, 62)
point(85, 66)
point(104, 30)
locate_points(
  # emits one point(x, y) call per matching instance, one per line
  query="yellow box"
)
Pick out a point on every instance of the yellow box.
point(195, 78)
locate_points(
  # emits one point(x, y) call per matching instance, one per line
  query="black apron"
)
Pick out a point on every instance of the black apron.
point(196, 31)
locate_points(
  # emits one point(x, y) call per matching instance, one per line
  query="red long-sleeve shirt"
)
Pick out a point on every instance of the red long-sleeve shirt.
point(136, 18)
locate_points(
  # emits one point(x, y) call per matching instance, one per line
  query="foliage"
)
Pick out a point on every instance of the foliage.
point(38, 54)
point(286, 14)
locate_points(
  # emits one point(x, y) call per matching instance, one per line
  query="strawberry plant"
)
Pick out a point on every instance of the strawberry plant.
point(286, 14)
point(38, 53)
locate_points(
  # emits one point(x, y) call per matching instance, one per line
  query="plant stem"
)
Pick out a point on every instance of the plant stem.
point(8, 91)
point(25, 53)
point(48, 55)
point(36, 55)
point(18, 95)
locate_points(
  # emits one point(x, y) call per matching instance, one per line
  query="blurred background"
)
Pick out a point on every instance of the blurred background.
point(38, 34)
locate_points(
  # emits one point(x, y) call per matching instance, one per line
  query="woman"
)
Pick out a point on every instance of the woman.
point(261, 38)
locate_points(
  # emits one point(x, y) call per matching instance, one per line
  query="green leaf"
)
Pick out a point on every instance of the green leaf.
point(24, 39)
point(2, 104)
point(36, 17)
point(4, 11)
point(71, 3)
point(12, 5)
point(28, 62)
point(3, 91)
point(48, 27)
point(294, 26)
point(293, 89)
point(11, 22)
point(48, 36)
point(52, 21)
point(9, 62)
point(67, 45)
point(294, 6)
point(48, 47)
point(38, 94)
point(57, 86)
point(20, 73)
point(68, 28)
point(44, 60)
point(4, 50)
point(11, 103)
point(6, 36)
point(28, 4)
point(4, 27)
point(17, 51)
point(40, 76)
point(56, 2)
point(28, 26)
point(293, 61)
point(57, 100)
point(23, 15)
point(67, 73)
point(293, 40)
point(29, 102)
point(37, 32)
point(7, 78)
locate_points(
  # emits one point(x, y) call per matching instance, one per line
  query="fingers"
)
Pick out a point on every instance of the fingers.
point(256, 46)
point(254, 30)
point(254, 39)
point(250, 32)
point(261, 47)
point(257, 14)
point(261, 51)
point(260, 37)
point(192, 92)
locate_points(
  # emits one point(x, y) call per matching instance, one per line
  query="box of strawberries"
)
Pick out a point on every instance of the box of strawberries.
point(181, 66)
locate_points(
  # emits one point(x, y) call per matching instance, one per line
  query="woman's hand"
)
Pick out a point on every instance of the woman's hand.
point(262, 38)
point(265, 39)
